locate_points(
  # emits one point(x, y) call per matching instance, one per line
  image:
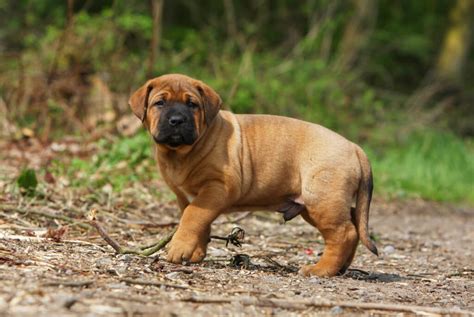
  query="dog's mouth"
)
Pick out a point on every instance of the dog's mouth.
point(174, 140)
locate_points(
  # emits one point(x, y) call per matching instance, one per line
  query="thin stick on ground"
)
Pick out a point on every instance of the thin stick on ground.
point(159, 245)
point(305, 304)
point(142, 251)
point(42, 240)
point(69, 283)
point(152, 283)
point(26, 212)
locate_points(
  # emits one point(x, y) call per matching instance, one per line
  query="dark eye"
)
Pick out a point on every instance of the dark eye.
point(192, 104)
point(159, 103)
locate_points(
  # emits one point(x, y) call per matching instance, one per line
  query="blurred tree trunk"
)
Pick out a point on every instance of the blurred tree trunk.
point(230, 18)
point(70, 11)
point(457, 40)
point(62, 40)
point(231, 23)
point(45, 117)
point(357, 32)
point(157, 12)
point(442, 89)
point(445, 77)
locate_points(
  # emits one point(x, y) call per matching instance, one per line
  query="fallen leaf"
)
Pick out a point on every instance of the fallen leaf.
point(49, 178)
point(56, 234)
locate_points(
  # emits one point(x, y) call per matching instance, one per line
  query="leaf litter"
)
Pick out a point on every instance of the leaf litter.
point(53, 262)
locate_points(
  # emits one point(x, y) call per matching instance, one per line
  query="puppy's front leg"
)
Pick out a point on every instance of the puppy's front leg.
point(189, 243)
point(182, 201)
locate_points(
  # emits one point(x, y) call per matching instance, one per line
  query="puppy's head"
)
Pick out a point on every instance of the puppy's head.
point(176, 109)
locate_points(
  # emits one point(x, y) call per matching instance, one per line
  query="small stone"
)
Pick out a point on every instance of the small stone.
point(173, 275)
point(3, 304)
point(217, 252)
point(69, 302)
point(121, 269)
point(336, 310)
point(389, 249)
point(66, 301)
point(103, 263)
point(125, 257)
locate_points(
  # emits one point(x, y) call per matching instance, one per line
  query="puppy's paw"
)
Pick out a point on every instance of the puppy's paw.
point(317, 270)
point(186, 249)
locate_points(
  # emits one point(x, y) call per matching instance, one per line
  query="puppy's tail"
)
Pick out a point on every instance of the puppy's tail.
point(364, 196)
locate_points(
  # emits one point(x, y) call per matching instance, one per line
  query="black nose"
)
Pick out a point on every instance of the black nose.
point(176, 119)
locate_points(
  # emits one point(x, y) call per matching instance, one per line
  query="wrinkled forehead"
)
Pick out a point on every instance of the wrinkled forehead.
point(174, 87)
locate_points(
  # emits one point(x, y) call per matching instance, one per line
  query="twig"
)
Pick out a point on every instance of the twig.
point(304, 304)
point(25, 212)
point(151, 224)
point(69, 283)
point(235, 220)
point(142, 251)
point(114, 244)
point(358, 271)
point(10, 257)
point(233, 238)
point(159, 245)
point(42, 239)
point(152, 283)
point(19, 220)
point(279, 266)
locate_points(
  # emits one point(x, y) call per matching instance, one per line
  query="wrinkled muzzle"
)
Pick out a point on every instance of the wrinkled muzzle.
point(176, 126)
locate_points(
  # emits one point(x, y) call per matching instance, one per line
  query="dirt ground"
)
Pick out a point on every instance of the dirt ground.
point(426, 259)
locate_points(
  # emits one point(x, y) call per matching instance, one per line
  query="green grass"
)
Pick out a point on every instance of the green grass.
point(432, 165)
point(117, 163)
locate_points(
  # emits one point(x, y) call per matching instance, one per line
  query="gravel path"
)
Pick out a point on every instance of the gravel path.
point(426, 260)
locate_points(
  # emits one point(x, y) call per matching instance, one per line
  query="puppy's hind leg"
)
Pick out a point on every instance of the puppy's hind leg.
point(351, 254)
point(333, 219)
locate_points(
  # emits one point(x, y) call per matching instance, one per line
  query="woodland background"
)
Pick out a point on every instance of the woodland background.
point(395, 76)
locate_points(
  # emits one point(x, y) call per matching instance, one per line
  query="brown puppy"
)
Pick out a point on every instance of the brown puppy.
point(217, 162)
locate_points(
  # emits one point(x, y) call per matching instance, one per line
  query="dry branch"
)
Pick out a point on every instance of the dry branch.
point(234, 238)
point(159, 245)
point(69, 283)
point(152, 283)
point(305, 304)
point(42, 239)
point(27, 212)
point(142, 251)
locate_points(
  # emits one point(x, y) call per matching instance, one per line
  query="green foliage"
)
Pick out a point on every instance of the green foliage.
point(431, 165)
point(266, 57)
point(27, 182)
point(405, 41)
point(117, 163)
point(133, 150)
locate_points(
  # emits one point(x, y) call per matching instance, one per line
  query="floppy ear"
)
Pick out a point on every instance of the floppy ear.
point(212, 102)
point(139, 101)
